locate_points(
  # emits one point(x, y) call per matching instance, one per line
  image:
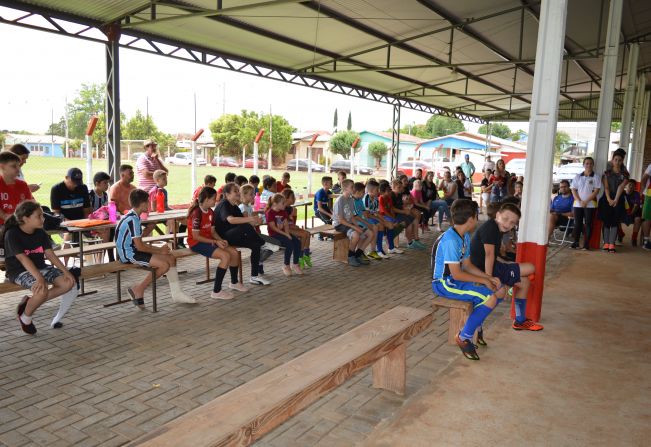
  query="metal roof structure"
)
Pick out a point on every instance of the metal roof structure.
point(465, 58)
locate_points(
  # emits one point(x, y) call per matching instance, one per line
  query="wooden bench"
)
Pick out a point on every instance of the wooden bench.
point(459, 312)
point(341, 245)
point(248, 412)
point(319, 229)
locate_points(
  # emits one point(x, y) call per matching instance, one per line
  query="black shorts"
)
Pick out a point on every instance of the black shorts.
point(140, 258)
point(508, 274)
point(561, 220)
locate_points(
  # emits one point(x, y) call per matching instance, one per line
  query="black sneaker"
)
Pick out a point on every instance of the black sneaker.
point(27, 328)
point(647, 245)
point(23, 304)
point(574, 246)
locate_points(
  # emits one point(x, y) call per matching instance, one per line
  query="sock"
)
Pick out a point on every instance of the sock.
point(378, 243)
point(66, 301)
point(219, 277)
point(306, 252)
point(351, 254)
point(234, 272)
point(390, 238)
point(475, 320)
point(25, 319)
point(359, 252)
point(520, 309)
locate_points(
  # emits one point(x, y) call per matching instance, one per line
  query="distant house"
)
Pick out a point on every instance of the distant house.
point(39, 145)
point(301, 140)
point(406, 147)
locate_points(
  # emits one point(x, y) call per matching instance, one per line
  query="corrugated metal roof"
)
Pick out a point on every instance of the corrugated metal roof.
point(464, 56)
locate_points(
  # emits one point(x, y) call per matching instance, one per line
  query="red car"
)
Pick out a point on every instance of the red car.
point(407, 167)
point(226, 162)
point(262, 163)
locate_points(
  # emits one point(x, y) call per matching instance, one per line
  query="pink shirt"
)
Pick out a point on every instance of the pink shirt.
point(417, 195)
point(144, 164)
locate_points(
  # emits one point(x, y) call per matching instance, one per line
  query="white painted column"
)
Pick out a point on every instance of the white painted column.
point(629, 96)
point(637, 120)
point(638, 167)
point(608, 77)
point(532, 245)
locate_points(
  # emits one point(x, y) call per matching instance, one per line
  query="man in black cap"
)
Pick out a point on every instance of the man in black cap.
point(69, 198)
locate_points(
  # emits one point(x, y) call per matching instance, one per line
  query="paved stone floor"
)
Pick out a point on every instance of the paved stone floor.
point(112, 374)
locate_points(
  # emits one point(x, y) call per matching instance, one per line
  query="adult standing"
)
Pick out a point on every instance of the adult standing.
point(488, 164)
point(645, 191)
point(501, 181)
point(468, 167)
point(237, 230)
point(611, 204)
point(23, 154)
point(147, 164)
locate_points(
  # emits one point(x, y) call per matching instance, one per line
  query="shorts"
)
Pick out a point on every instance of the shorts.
point(348, 231)
point(139, 258)
point(408, 219)
point(323, 217)
point(508, 273)
point(26, 280)
point(561, 220)
point(472, 292)
point(372, 221)
point(204, 249)
point(390, 219)
point(646, 209)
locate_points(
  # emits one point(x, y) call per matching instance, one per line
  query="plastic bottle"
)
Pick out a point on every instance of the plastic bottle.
point(256, 203)
point(112, 211)
point(160, 201)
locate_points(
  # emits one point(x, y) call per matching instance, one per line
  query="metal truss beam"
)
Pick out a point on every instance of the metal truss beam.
point(394, 152)
point(134, 40)
point(113, 101)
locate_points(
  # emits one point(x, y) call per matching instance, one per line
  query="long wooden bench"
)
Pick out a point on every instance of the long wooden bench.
point(248, 412)
point(459, 312)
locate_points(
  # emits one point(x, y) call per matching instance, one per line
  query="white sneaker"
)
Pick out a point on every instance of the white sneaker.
point(259, 280)
point(271, 247)
point(239, 287)
point(222, 295)
point(396, 251)
point(383, 255)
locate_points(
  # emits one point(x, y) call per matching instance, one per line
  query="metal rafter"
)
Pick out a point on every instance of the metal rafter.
point(205, 56)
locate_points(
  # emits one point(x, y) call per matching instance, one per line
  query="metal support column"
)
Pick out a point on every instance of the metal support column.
point(608, 77)
point(392, 159)
point(532, 246)
point(629, 97)
point(113, 100)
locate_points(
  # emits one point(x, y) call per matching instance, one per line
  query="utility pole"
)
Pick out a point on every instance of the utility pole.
point(65, 115)
point(271, 142)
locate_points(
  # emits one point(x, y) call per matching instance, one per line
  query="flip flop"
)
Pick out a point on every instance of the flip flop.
point(138, 302)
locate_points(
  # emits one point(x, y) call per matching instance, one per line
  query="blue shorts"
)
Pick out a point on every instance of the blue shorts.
point(204, 248)
point(372, 221)
point(508, 273)
point(472, 292)
point(390, 219)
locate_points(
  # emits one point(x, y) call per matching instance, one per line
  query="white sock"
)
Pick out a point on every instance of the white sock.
point(66, 301)
point(25, 319)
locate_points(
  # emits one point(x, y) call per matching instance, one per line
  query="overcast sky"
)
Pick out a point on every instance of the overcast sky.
point(41, 69)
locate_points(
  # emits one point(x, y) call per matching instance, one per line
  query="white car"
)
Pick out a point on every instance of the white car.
point(516, 166)
point(184, 159)
point(567, 172)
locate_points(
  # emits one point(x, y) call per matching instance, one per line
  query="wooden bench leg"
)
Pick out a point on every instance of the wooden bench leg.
point(153, 290)
point(208, 278)
point(390, 371)
point(239, 269)
point(340, 250)
point(458, 319)
point(118, 279)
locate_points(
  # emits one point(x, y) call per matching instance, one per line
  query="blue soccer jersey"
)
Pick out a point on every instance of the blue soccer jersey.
point(371, 204)
point(127, 230)
point(321, 197)
point(359, 207)
point(451, 249)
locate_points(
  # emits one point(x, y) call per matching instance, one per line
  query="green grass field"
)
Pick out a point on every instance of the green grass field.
point(49, 171)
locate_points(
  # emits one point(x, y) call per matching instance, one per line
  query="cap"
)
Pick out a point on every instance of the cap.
point(75, 175)
point(467, 156)
point(148, 142)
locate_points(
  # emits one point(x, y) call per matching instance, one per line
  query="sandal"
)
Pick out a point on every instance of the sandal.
point(467, 348)
point(138, 302)
point(480, 338)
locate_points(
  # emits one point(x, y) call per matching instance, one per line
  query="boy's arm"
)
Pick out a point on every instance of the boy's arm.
point(469, 275)
point(322, 209)
point(492, 282)
point(489, 259)
point(147, 248)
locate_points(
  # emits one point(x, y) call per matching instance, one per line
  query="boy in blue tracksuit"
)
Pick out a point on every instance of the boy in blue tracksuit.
point(455, 277)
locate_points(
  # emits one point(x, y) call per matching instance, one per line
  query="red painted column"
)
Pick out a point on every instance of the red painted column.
point(537, 255)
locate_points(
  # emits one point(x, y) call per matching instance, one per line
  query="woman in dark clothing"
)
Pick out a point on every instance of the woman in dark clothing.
point(611, 204)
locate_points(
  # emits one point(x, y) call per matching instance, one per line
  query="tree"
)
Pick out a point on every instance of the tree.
point(497, 129)
point(2, 140)
point(141, 127)
point(58, 128)
point(417, 130)
point(377, 150)
point(342, 141)
point(232, 132)
point(349, 126)
point(89, 102)
point(335, 122)
point(615, 126)
point(561, 143)
point(438, 126)
point(518, 134)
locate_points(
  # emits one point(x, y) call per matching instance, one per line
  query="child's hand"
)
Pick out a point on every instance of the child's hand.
point(496, 282)
point(40, 286)
point(70, 276)
point(220, 243)
point(165, 249)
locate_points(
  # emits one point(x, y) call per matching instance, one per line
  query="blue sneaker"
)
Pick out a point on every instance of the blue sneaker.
point(353, 261)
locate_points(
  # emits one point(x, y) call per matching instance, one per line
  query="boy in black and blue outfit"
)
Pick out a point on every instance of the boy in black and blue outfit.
point(455, 277)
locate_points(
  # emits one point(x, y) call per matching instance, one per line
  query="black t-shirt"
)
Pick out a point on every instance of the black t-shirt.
point(397, 200)
point(71, 203)
point(223, 210)
point(429, 191)
point(32, 245)
point(488, 233)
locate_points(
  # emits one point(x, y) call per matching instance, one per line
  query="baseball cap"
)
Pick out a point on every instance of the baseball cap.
point(75, 175)
point(148, 142)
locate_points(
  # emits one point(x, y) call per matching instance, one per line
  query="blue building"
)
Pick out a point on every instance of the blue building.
point(39, 145)
point(406, 148)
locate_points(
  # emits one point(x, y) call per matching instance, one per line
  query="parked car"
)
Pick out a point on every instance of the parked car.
point(302, 165)
point(184, 159)
point(136, 155)
point(407, 167)
point(516, 166)
point(262, 163)
point(344, 165)
point(227, 162)
point(567, 172)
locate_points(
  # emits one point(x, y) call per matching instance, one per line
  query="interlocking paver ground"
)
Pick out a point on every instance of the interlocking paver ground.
point(112, 374)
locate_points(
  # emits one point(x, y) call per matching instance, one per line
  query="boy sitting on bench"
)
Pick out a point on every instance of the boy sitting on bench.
point(455, 277)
